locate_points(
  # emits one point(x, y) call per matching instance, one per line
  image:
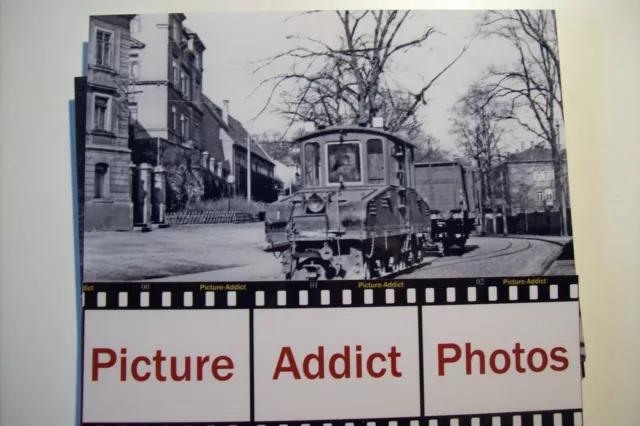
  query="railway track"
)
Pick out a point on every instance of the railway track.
point(426, 266)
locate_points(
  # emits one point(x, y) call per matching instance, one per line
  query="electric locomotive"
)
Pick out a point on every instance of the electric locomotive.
point(357, 214)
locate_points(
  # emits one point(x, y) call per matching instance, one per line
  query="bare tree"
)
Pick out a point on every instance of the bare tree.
point(478, 129)
point(351, 82)
point(533, 82)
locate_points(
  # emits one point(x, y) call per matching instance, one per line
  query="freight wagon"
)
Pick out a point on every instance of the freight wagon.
point(448, 189)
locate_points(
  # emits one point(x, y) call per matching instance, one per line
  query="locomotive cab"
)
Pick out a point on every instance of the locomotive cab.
point(356, 205)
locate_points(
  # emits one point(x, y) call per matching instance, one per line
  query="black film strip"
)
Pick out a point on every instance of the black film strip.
point(323, 294)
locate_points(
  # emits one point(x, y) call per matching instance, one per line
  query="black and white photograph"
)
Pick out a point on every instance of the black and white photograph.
point(322, 145)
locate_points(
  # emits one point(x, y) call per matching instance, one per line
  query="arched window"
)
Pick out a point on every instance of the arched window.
point(100, 180)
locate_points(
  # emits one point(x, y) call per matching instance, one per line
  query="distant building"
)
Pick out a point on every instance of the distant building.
point(286, 156)
point(108, 204)
point(529, 179)
point(232, 138)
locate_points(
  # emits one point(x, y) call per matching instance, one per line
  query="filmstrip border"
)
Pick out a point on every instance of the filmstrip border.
point(542, 418)
point(366, 294)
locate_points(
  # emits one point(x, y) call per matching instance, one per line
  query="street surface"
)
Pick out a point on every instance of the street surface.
point(234, 253)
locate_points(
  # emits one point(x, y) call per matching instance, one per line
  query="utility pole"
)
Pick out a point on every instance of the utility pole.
point(248, 167)
point(563, 204)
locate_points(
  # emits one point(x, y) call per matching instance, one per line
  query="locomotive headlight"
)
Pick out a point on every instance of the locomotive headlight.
point(315, 204)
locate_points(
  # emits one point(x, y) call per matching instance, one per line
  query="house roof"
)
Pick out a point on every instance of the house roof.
point(236, 130)
point(538, 153)
point(438, 164)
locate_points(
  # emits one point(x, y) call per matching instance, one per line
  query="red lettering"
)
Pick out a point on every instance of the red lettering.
point(346, 360)
point(123, 365)
point(186, 375)
point(358, 362)
point(370, 369)
point(442, 360)
point(393, 356)
point(134, 369)
point(564, 362)
point(500, 360)
point(291, 368)
point(158, 360)
point(215, 366)
point(517, 351)
point(96, 364)
point(530, 363)
point(200, 362)
point(319, 358)
point(507, 361)
point(469, 354)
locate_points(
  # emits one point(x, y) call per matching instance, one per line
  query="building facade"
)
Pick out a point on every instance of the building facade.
point(530, 179)
point(107, 196)
point(165, 101)
point(233, 137)
point(166, 69)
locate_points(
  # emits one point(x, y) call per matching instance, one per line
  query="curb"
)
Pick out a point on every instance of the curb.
point(536, 238)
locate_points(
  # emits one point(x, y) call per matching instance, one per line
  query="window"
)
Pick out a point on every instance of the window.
point(175, 31)
point(100, 180)
point(184, 130)
point(101, 113)
point(133, 72)
point(135, 25)
point(185, 83)
point(375, 161)
point(548, 194)
point(548, 175)
point(104, 48)
point(173, 120)
point(133, 110)
point(344, 162)
point(540, 196)
point(175, 78)
point(311, 163)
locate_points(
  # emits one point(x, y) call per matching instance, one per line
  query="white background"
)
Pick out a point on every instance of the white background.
point(41, 48)
point(376, 329)
point(177, 333)
point(491, 327)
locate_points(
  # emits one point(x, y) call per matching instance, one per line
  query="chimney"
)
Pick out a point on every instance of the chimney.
point(225, 111)
point(522, 145)
point(531, 144)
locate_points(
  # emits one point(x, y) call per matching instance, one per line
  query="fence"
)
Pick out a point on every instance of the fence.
point(211, 217)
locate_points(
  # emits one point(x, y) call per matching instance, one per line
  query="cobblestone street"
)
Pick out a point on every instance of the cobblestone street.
point(234, 253)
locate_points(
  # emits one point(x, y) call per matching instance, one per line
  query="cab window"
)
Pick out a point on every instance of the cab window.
point(343, 160)
point(311, 164)
point(375, 161)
